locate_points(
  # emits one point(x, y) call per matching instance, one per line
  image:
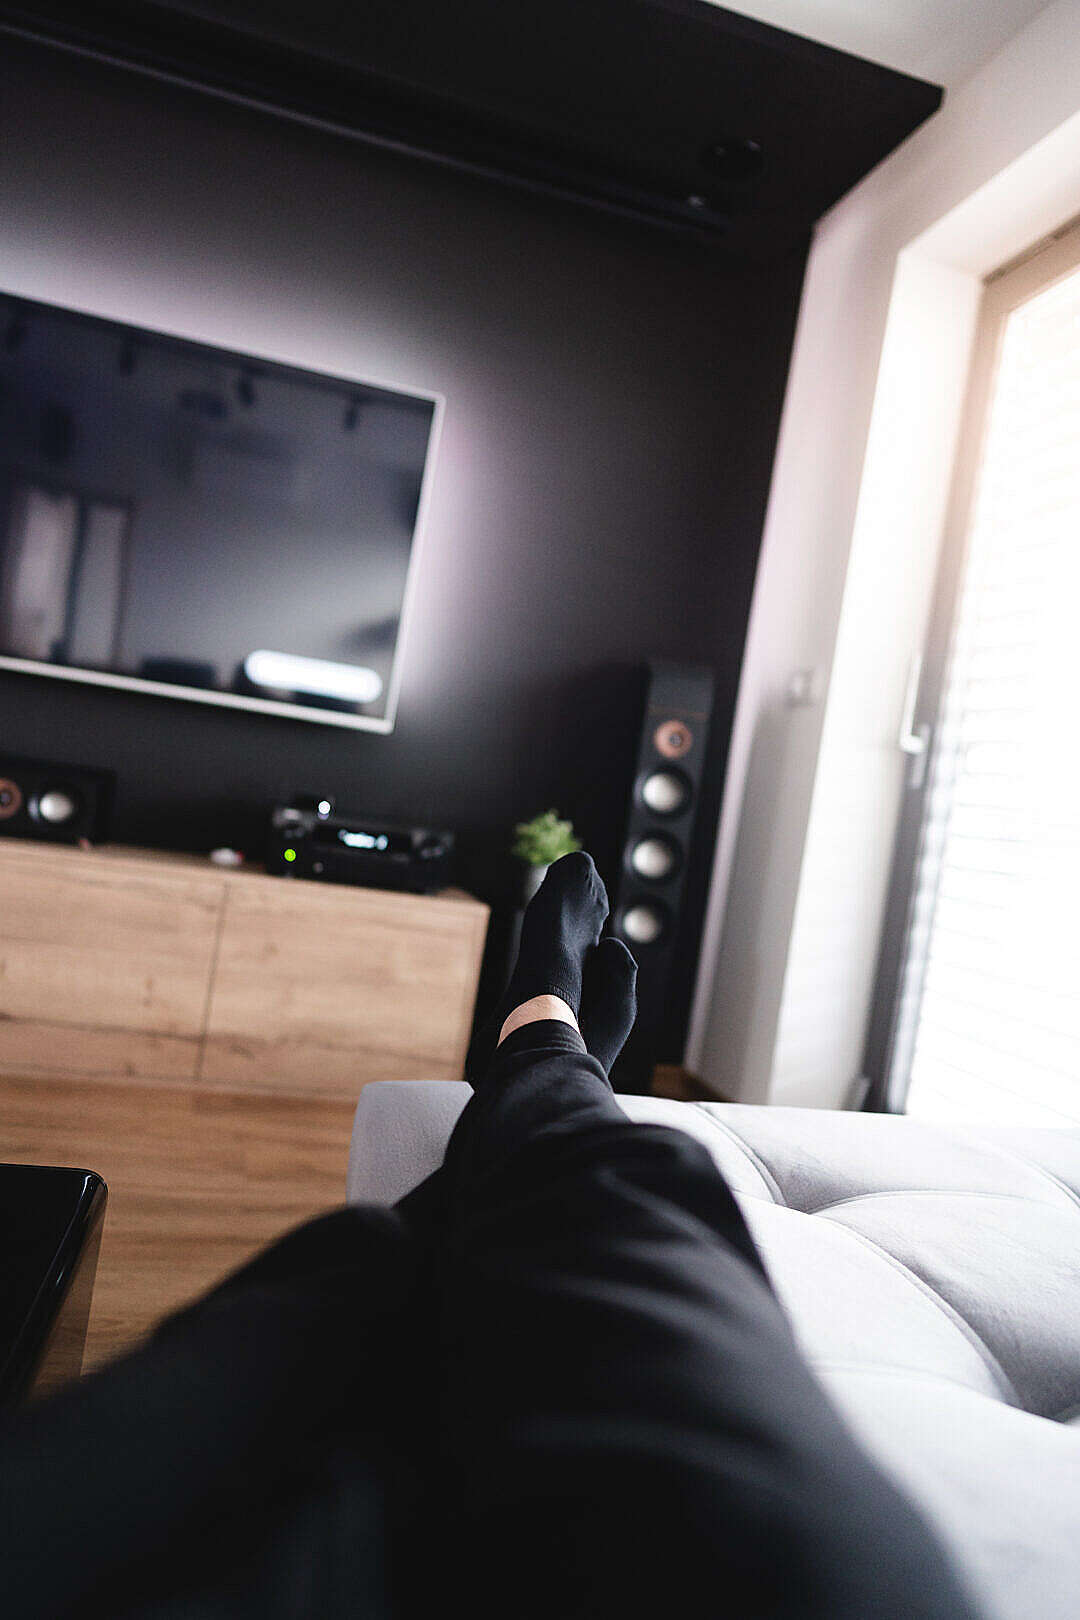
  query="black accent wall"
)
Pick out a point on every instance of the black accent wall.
point(612, 399)
point(678, 112)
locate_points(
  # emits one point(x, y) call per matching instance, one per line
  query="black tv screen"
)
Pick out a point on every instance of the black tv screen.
point(211, 525)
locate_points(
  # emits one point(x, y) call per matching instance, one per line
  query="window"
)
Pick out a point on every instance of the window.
point(984, 1021)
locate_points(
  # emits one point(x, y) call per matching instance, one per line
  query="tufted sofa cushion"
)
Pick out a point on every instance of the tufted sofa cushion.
point(933, 1279)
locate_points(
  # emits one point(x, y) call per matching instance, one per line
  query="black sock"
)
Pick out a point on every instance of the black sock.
point(608, 1000)
point(561, 925)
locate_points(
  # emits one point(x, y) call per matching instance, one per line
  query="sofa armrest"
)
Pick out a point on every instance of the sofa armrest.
point(399, 1136)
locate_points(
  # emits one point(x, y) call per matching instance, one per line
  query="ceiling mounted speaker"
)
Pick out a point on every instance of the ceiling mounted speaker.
point(660, 821)
point(735, 160)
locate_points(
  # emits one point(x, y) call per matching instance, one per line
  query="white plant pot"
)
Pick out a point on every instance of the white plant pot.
point(532, 877)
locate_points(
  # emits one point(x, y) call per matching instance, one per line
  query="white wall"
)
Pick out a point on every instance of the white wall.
point(855, 517)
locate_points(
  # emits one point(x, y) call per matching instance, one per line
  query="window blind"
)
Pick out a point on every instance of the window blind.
point(993, 961)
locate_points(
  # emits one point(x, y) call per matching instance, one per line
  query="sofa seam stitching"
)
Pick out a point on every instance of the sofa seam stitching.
point(922, 1374)
point(928, 1192)
point(949, 1311)
point(771, 1183)
point(874, 1369)
point(1029, 1164)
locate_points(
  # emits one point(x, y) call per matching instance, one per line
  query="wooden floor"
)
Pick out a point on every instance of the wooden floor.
point(670, 1080)
point(198, 1181)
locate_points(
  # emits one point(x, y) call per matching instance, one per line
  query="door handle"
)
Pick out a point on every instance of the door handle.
point(914, 739)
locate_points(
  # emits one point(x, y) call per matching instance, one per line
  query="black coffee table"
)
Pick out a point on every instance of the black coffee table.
point(50, 1233)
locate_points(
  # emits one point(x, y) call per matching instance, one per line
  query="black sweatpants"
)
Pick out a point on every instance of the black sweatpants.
point(552, 1382)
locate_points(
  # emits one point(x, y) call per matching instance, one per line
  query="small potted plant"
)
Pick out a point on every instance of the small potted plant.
point(539, 842)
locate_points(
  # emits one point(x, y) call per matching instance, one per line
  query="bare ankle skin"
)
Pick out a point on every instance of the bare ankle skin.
point(535, 1009)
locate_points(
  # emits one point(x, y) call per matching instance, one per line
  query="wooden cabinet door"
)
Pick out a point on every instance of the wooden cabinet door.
point(104, 967)
point(321, 989)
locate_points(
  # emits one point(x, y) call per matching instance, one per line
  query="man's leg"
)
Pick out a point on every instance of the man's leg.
point(608, 1008)
point(260, 1445)
point(628, 1425)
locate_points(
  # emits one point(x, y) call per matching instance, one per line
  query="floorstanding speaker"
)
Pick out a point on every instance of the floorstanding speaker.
point(652, 870)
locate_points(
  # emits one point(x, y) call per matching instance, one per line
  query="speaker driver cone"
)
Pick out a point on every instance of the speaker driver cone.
point(654, 857)
point(665, 793)
point(644, 922)
point(56, 806)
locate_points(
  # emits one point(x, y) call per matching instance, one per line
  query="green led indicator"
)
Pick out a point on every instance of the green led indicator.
point(290, 854)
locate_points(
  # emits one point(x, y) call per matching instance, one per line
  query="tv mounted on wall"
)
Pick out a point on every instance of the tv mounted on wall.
point(202, 524)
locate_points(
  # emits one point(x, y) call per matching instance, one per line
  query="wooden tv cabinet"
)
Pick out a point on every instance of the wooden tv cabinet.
point(122, 962)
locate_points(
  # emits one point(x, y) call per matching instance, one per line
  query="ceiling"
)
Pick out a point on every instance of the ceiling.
point(674, 113)
point(940, 40)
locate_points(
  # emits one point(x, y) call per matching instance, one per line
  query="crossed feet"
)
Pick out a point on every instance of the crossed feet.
point(564, 970)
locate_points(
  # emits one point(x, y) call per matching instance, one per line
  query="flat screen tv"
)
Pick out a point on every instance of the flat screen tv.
point(190, 521)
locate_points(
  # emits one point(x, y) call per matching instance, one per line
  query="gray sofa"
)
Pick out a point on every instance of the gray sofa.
point(933, 1278)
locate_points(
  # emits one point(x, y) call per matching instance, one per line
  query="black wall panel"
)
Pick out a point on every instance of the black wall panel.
point(612, 405)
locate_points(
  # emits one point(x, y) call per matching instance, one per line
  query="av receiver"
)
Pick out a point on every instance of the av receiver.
point(309, 839)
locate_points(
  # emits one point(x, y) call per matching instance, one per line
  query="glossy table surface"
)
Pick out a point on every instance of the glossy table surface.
point(50, 1219)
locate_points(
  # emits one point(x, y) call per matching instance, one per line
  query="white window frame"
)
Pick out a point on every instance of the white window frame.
point(898, 986)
